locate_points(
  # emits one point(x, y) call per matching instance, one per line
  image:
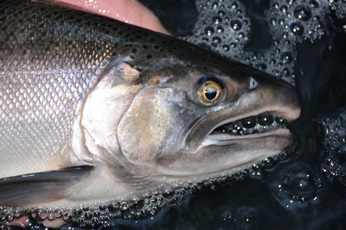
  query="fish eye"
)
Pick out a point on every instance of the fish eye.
point(209, 92)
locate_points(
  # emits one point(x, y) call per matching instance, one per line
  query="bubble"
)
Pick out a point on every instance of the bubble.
point(286, 57)
point(243, 214)
point(265, 119)
point(57, 213)
point(234, 6)
point(88, 216)
point(220, 29)
point(124, 207)
point(102, 208)
point(217, 40)
point(290, 2)
point(221, 13)
point(297, 28)
point(273, 21)
point(241, 35)
point(67, 217)
point(209, 31)
point(215, 5)
point(314, 3)
point(261, 66)
point(217, 20)
point(249, 122)
point(284, 9)
point(301, 185)
point(269, 163)
point(281, 21)
point(302, 13)
point(236, 25)
point(77, 212)
point(285, 35)
point(286, 72)
point(114, 207)
point(226, 48)
point(280, 121)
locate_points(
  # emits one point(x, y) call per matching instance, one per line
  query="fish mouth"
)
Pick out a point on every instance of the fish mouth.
point(262, 125)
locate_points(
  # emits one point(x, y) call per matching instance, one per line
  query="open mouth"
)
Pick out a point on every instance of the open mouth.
point(258, 124)
point(261, 125)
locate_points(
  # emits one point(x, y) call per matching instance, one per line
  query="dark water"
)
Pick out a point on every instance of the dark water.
point(303, 43)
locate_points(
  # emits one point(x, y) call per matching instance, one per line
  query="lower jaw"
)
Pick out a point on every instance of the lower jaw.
point(228, 139)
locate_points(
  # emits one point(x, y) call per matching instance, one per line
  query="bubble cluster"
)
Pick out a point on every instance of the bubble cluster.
point(100, 214)
point(333, 130)
point(253, 125)
point(298, 20)
point(225, 27)
point(222, 26)
point(339, 8)
point(267, 164)
point(241, 215)
point(298, 187)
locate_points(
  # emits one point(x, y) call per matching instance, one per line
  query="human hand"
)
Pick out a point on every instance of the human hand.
point(129, 11)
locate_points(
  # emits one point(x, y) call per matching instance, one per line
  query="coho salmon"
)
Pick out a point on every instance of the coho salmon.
point(95, 113)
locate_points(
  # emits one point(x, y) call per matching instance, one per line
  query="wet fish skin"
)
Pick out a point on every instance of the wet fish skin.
point(119, 101)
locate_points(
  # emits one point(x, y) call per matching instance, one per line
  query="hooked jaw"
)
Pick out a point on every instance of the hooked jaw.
point(261, 113)
point(244, 133)
point(251, 126)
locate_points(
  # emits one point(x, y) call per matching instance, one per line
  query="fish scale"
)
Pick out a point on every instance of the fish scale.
point(50, 82)
point(40, 120)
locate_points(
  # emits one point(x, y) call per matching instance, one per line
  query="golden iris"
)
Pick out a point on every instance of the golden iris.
point(209, 92)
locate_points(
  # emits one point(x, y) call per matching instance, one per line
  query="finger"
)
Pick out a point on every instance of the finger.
point(129, 11)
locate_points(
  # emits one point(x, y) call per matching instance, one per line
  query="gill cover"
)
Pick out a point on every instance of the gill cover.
point(153, 123)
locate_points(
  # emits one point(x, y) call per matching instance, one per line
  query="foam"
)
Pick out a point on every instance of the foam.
point(226, 27)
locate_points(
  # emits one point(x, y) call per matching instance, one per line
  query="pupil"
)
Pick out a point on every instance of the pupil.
point(210, 93)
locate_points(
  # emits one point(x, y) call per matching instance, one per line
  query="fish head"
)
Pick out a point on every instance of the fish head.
point(193, 120)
